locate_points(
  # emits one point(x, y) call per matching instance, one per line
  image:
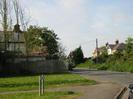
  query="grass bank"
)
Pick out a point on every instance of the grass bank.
point(51, 81)
point(120, 65)
point(87, 64)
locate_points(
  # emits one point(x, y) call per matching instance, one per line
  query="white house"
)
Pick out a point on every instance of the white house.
point(112, 48)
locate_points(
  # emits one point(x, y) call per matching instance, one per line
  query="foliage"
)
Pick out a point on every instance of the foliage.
point(102, 55)
point(78, 56)
point(103, 50)
point(129, 46)
point(120, 61)
point(87, 64)
point(75, 57)
point(62, 55)
point(39, 37)
point(102, 58)
point(51, 41)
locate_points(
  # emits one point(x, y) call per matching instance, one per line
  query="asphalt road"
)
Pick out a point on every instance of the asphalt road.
point(107, 76)
point(122, 78)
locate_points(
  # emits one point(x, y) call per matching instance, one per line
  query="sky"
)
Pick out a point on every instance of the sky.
point(80, 22)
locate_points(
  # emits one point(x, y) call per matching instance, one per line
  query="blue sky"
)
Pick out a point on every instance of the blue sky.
point(80, 22)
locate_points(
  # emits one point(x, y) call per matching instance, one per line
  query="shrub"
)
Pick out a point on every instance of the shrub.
point(103, 67)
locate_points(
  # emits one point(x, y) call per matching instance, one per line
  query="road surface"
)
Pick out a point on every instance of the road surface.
point(107, 76)
point(121, 78)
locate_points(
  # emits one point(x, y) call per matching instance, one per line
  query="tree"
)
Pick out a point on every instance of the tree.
point(21, 17)
point(129, 45)
point(62, 55)
point(76, 56)
point(103, 55)
point(51, 41)
point(4, 12)
point(38, 37)
point(10, 10)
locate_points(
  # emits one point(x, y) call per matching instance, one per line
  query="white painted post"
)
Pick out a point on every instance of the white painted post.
point(41, 85)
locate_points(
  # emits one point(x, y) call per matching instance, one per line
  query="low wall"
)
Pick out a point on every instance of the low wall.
point(33, 67)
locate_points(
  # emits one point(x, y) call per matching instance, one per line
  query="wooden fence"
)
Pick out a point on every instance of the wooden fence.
point(22, 66)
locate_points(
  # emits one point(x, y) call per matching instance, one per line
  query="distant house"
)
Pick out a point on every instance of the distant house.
point(110, 48)
point(16, 43)
point(98, 51)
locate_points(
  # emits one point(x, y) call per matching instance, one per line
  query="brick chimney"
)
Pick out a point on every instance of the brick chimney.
point(17, 28)
point(117, 42)
point(107, 44)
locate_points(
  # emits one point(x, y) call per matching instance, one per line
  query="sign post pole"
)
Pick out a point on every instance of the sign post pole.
point(41, 85)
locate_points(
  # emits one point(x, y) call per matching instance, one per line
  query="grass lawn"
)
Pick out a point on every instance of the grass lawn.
point(31, 82)
point(86, 64)
point(47, 95)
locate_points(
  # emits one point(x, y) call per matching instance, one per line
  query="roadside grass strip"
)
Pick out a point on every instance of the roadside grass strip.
point(51, 81)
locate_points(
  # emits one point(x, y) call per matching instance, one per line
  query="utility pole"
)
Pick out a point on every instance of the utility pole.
point(97, 50)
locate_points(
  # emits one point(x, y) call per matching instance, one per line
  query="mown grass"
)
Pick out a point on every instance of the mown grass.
point(51, 81)
point(47, 95)
point(86, 64)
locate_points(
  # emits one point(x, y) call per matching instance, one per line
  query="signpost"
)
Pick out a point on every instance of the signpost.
point(41, 84)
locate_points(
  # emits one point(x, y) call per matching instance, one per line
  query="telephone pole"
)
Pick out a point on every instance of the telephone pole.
point(97, 50)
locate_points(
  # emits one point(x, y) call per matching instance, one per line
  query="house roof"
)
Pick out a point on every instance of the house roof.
point(111, 45)
point(120, 46)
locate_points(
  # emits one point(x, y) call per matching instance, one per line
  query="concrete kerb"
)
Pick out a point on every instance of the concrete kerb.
point(120, 93)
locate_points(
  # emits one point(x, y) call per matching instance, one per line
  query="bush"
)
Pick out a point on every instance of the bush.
point(103, 67)
point(75, 57)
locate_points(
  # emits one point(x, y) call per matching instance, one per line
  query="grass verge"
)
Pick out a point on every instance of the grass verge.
point(47, 95)
point(31, 82)
point(86, 64)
